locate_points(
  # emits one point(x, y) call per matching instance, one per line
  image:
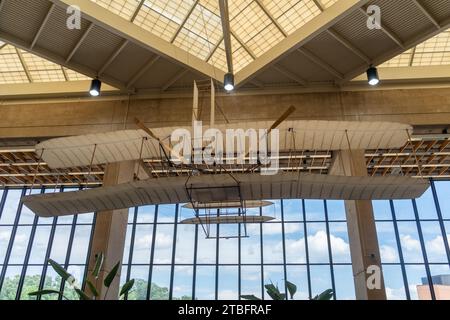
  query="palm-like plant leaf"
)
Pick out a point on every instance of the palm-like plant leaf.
point(82, 295)
point(92, 288)
point(98, 265)
point(291, 288)
point(274, 292)
point(326, 295)
point(42, 293)
point(60, 270)
point(111, 275)
point(127, 287)
point(249, 297)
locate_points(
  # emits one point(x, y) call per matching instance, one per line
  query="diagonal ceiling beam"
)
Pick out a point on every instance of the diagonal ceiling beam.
point(224, 16)
point(271, 17)
point(290, 75)
point(142, 71)
point(348, 45)
point(322, 22)
point(243, 45)
point(80, 42)
point(386, 30)
point(55, 58)
point(427, 14)
point(113, 57)
point(214, 50)
point(174, 79)
point(319, 62)
point(411, 43)
point(24, 65)
point(44, 22)
point(135, 34)
point(180, 27)
point(342, 40)
point(136, 12)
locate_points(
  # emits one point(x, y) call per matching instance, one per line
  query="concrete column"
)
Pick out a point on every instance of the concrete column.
point(110, 231)
point(362, 233)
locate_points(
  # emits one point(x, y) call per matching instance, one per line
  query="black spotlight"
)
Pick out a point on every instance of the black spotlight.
point(95, 88)
point(372, 76)
point(228, 82)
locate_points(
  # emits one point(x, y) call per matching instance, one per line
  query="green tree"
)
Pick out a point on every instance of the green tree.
point(31, 284)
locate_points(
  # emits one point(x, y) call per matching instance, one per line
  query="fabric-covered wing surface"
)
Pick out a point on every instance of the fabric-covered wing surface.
point(227, 219)
point(108, 147)
point(294, 135)
point(222, 187)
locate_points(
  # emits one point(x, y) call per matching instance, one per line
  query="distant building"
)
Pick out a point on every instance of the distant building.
point(441, 285)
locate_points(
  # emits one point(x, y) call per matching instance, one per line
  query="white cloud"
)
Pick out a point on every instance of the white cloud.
point(228, 295)
point(436, 246)
point(143, 242)
point(388, 254)
point(409, 243)
point(251, 276)
point(395, 293)
point(274, 228)
point(164, 240)
point(5, 236)
point(317, 245)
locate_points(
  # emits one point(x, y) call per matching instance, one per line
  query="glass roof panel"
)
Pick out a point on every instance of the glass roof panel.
point(163, 17)
point(292, 14)
point(219, 58)
point(402, 60)
point(327, 3)
point(123, 8)
point(241, 57)
point(193, 43)
point(42, 70)
point(14, 68)
point(195, 25)
point(435, 51)
point(74, 76)
point(205, 27)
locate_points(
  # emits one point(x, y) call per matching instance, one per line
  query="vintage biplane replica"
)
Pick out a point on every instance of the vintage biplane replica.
point(223, 193)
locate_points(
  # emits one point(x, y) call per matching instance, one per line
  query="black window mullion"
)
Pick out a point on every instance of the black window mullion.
point(11, 241)
point(441, 220)
point(89, 251)
point(308, 268)
point(174, 248)
point(216, 284)
point(194, 273)
point(424, 252)
point(131, 252)
point(330, 254)
point(239, 263)
point(284, 248)
point(152, 254)
point(261, 239)
point(27, 256)
point(400, 250)
point(3, 200)
point(47, 255)
point(68, 253)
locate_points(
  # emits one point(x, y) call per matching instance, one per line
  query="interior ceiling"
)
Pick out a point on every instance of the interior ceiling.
point(304, 43)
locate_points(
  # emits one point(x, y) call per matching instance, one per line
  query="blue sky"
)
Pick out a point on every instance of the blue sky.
point(272, 250)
